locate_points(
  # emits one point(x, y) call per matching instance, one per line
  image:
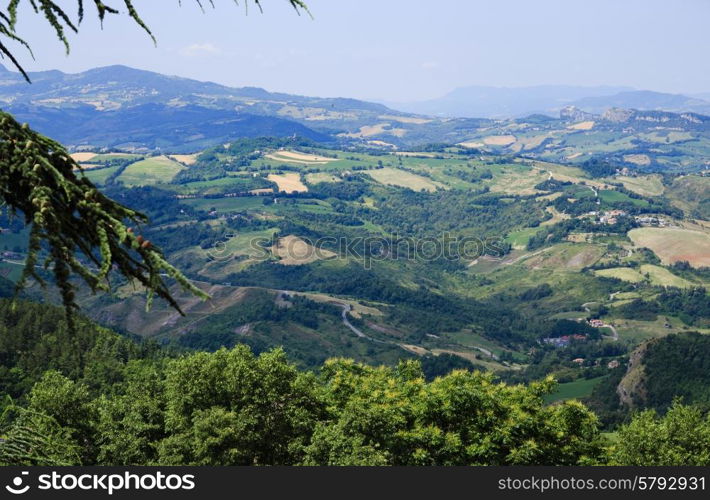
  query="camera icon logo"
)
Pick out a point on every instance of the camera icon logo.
point(16, 488)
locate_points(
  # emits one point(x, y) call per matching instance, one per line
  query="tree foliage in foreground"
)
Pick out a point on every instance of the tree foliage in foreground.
point(122, 403)
point(680, 437)
point(233, 408)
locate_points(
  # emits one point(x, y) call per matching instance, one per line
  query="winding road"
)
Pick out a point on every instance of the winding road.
point(346, 309)
point(615, 334)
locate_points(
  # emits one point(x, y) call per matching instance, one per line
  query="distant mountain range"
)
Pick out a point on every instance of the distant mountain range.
point(502, 102)
point(115, 87)
point(134, 110)
point(122, 107)
point(645, 100)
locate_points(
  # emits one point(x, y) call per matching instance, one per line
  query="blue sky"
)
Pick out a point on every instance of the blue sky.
point(400, 50)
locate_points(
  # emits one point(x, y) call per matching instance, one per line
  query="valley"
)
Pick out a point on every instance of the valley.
point(141, 111)
point(339, 228)
point(509, 264)
point(355, 234)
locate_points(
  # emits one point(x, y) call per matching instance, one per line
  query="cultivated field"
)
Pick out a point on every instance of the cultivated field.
point(299, 158)
point(293, 251)
point(519, 239)
point(690, 192)
point(231, 256)
point(101, 157)
point(566, 256)
point(645, 185)
point(405, 119)
point(499, 140)
point(380, 128)
point(638, 159)
point(669, 138)
point(185, 159)
point(621, 273)
point(317, 177)
point(532, 142)
point(82, 157)
point(396, 177)
point(99, 176)
point(471, 144)
point(415, 154)
point(578, 389)
point(663, 277)
point(673, 245)
point(290, 182)
point(158, 170)
point(589, 125)
point(115, 156)
point(517, 180)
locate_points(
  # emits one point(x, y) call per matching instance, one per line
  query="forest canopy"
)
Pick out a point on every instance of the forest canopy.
point(115, 402)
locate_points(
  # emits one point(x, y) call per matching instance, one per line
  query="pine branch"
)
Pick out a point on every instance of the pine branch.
point(66, 214)
point(69, 216)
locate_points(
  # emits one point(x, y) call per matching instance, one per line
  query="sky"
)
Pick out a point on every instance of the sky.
point(397, 50)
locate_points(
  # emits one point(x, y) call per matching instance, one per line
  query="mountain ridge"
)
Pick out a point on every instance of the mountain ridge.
point(119, 89)
point(135, 110)
point(517, 102)
point(129, 75)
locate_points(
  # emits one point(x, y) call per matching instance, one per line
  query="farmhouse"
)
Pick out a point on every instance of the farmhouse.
point(611, 216)
point(647, 220)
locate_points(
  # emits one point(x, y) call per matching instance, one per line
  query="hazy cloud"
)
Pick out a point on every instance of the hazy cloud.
point(200, 49)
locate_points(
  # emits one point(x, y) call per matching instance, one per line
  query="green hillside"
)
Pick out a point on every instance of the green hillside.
point(493, 261)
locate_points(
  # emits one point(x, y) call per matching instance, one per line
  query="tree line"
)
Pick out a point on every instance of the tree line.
point(114, 401)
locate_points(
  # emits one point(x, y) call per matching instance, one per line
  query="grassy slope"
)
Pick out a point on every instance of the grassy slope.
point(578, 389)
point(559, 265)
point(157, 170)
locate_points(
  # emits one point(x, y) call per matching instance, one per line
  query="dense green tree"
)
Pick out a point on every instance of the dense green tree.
point(680, 437)
point(230, 407)
point(392, 416)
point(130, 424)
point(234, 408)
point(35, 338)
point(69, 404)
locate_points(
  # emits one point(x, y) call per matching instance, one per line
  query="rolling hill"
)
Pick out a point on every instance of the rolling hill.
point(154, 126)
point(645, 100)
point(122, 108)
point(504, 103)
point(118, 106)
